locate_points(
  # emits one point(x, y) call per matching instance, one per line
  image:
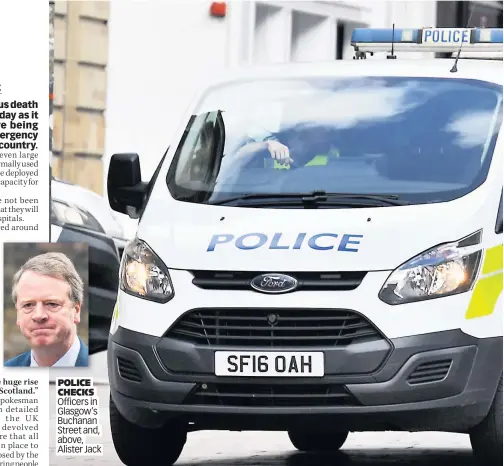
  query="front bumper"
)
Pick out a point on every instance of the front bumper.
point(460, 375)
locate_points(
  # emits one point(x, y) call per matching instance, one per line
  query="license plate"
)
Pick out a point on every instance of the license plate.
point(269, 364)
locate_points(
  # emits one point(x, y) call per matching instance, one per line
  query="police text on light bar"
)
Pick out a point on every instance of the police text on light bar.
point(428, 40)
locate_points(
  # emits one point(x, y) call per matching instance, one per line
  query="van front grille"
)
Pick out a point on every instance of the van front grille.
point(273, 327)
point(263, 395)
point(322, 281)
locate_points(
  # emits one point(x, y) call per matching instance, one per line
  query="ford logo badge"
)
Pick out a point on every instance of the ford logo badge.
point(274, 283)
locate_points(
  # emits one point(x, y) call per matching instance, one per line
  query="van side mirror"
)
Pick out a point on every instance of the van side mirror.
point(125, 188)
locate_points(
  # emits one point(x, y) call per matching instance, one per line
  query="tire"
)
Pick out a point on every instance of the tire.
point(486, 437)
point(318, 441)
point(138, 446)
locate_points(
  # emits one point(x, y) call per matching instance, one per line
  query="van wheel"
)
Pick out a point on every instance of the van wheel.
point(317, 441)
point(486, 437)
point(138, 446)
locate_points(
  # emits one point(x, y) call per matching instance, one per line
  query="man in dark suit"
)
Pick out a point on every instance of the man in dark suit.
point(48, 294)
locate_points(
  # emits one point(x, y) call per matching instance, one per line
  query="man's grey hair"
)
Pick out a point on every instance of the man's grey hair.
point(53, 264)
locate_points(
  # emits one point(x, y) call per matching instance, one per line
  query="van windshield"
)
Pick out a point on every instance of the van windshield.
point(420, 140)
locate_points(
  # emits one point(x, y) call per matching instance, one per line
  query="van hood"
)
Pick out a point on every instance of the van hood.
point(199, 237)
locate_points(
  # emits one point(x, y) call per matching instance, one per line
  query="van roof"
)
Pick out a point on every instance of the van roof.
point(484, 70)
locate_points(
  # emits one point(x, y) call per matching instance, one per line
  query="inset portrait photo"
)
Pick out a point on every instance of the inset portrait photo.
point(46, 319)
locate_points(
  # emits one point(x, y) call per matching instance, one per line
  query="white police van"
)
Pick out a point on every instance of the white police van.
point(320, 252)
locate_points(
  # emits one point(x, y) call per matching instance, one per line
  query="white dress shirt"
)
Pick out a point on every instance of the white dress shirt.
point(67, 360)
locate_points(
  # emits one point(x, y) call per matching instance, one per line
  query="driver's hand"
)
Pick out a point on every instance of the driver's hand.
point(279, 152)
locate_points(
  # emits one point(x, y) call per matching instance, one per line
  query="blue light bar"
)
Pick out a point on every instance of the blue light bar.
point(384, 36)
point(428, 40)
point(488, 36)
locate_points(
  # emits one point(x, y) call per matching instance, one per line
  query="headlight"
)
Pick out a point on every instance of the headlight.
point(445, 270)
point(143, 274)
point(62, 213)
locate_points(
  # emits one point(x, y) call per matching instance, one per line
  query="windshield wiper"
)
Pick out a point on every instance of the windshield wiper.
point(315, 198)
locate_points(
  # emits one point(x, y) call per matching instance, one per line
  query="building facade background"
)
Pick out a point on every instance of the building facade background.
point(80, 89)
point(457, 14)
point(51, 74)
